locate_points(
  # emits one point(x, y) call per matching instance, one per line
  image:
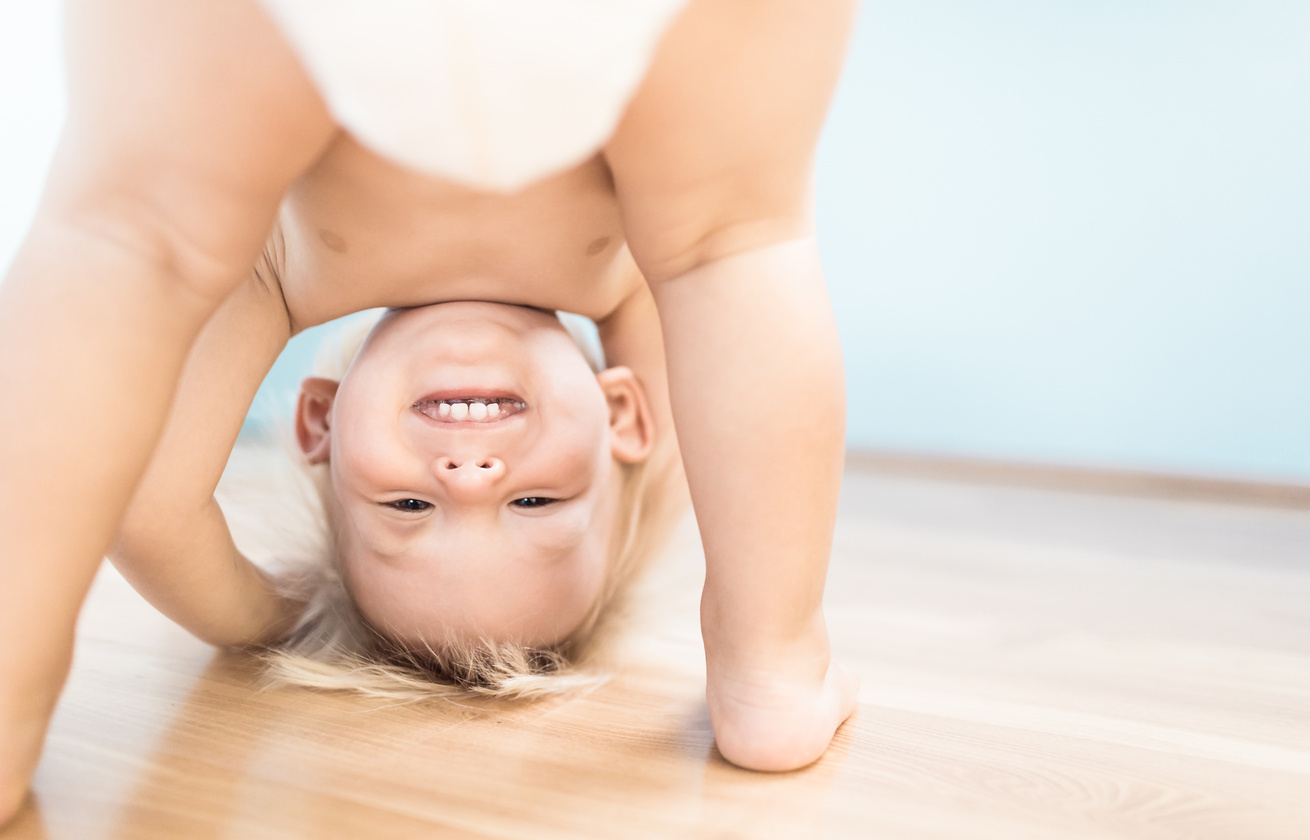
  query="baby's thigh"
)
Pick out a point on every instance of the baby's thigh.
point(187, 121)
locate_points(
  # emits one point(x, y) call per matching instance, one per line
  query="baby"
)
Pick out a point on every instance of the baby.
point(196, 129)
point(491, 492)
point(515, 593)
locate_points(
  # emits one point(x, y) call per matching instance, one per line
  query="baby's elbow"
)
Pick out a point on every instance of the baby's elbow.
point(128, 547)
point(139, 535)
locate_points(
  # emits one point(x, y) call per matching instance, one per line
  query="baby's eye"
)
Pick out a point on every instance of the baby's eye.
point(409, 505)
point(533, 502)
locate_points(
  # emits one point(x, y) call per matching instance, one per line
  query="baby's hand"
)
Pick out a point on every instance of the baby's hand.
point(778, 713)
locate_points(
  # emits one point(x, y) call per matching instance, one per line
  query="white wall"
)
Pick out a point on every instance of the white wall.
point(31, 111)
point(1070, 232)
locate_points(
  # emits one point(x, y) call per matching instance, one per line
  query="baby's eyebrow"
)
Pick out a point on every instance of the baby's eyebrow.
point(570, 529)
point(389, 556)
point(387, 546)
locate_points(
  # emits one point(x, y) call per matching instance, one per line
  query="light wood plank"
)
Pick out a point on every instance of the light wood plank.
point(1035, 664)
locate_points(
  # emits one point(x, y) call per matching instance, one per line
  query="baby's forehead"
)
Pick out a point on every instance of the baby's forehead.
point(533, 593)
point(487, 552)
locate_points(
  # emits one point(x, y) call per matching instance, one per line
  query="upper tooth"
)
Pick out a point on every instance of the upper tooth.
point(473, 409)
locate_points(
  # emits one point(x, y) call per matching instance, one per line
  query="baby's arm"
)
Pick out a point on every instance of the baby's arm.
point(712, 165)
point(631, 336)
point(174, 544)
point(186, 123)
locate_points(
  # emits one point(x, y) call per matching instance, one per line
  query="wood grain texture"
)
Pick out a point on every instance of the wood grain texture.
point(1035, 663)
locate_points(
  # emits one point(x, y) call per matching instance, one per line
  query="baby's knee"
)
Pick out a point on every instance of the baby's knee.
point(141, 246)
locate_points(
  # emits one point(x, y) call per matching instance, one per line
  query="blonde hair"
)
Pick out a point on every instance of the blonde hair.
point(333, 647)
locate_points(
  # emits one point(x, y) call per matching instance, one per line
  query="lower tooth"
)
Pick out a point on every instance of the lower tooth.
point(477, 411)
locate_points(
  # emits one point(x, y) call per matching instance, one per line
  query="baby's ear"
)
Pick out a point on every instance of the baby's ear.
point(314, 417)
point(632, 427)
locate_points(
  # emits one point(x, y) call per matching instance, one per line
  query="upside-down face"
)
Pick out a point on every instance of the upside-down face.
point(472, 454)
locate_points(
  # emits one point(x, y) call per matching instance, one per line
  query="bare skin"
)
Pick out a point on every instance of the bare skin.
point(162, 196)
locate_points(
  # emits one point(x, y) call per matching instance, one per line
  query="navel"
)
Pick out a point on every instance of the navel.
point(333, 241)
point(598, 245)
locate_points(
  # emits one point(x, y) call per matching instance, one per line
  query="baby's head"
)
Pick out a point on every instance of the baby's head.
point(479, 475)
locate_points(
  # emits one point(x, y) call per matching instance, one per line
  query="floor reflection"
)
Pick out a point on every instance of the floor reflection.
point(210, 755)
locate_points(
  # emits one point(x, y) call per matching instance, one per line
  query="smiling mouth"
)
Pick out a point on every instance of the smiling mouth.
point(470, 409)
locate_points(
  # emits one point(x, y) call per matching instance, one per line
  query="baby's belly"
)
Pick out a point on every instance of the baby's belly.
point(359, 232)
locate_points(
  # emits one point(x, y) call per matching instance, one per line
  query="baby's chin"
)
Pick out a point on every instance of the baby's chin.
point(432, 315)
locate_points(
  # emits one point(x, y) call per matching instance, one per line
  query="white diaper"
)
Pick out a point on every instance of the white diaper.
point(492, 93)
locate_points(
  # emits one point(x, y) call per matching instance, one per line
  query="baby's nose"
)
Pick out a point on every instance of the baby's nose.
point(469, 477)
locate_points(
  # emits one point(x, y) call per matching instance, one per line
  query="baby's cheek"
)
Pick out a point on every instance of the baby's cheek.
point(583, 458)
point(369, 460)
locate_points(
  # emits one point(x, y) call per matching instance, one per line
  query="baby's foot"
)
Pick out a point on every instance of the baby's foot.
point(773, 720)
point(20, 746)
point(11, 800)
point(28, 694)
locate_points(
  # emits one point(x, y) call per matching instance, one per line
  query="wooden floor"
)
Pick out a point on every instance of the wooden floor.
point(1035, 664)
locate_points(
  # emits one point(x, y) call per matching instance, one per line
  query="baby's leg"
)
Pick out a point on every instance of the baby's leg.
point(163, 189)
point(713, 168)
point(756, 373)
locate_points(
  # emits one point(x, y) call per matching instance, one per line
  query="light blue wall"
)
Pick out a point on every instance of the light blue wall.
point(31, 110)
point(1069, 232)
point(1076, 232)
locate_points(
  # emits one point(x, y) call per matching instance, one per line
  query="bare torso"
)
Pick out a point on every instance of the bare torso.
point(358, 231)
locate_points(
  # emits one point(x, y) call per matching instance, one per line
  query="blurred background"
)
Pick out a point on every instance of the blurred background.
point(1056, 233)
